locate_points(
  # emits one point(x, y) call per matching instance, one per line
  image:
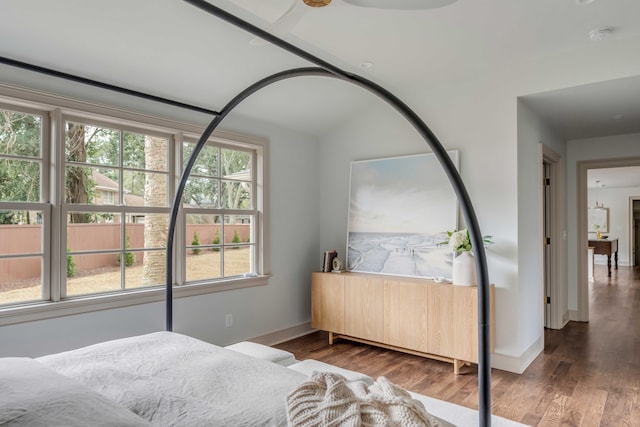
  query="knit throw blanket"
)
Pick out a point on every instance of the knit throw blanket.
point(327, 399)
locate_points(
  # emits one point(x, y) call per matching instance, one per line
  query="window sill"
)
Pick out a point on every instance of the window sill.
point(47, 310)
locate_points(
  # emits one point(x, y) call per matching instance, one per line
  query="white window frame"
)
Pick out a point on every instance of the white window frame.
point(254, 211)
point(57, 108)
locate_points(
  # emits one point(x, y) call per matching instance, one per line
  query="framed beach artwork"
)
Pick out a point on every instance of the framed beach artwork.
point(400, 209)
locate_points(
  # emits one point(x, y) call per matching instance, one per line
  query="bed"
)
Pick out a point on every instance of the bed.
point(170, 379)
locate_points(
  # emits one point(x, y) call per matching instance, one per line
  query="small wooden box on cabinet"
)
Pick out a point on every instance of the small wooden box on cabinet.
point(412, 315)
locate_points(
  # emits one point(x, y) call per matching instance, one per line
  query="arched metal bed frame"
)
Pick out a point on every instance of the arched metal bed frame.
point(325, 69)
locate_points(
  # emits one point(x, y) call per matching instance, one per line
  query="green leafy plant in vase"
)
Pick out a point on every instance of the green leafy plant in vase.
point(464, 272)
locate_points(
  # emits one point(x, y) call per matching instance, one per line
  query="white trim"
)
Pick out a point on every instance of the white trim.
point(518, 364)
point(283, 335)
point(582, 228)
point(39, 100)
point(632, 234)
point(558, 256)
point(58, 108)
point(86, 304)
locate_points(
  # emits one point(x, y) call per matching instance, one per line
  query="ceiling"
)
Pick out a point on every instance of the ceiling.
point(628, 176)
point(591, 111)
point(172, 49)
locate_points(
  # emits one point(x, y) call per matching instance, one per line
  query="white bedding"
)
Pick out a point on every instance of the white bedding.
point(165, 378)
point(459, 415)
point(173, 379)
point(33, 395)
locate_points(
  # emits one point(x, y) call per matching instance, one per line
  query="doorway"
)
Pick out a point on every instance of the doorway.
point(582, 228)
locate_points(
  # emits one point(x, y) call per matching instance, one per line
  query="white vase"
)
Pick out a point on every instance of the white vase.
point(464, 270)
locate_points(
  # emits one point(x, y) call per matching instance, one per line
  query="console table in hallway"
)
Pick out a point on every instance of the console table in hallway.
point(606, 247)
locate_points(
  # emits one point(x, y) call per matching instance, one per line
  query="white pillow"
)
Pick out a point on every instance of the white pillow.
point(33, 395)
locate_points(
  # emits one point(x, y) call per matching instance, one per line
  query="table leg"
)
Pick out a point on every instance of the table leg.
point(616, 258)
point(609, 265)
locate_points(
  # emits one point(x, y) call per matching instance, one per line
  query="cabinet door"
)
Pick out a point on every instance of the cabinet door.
point(440, 335)
point(465, 321)
point(364, 308)
point(405, 314)
point(327, 302)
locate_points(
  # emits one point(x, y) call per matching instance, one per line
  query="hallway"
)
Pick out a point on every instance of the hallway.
point(597, 364)
point(588, 374)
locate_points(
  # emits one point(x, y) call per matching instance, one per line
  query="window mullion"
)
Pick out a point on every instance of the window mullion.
point(123, 213)
point(179, 241)
point(58, 234)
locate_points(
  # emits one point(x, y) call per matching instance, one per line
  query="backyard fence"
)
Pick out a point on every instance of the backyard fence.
point(27, 239)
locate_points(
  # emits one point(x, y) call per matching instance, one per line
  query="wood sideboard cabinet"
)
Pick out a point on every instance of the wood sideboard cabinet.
point(412, 315)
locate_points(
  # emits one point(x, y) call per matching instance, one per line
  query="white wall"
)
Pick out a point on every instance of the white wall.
point(479, 116)
point(532, 132)
point(580, 150)
point(294, 250)
point(381, 132)
point(617, 200)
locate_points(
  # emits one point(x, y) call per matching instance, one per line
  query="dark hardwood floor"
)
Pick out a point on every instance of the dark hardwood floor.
point(588, 374)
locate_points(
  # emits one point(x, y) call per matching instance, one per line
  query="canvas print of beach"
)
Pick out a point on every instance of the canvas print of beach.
point(399, 211)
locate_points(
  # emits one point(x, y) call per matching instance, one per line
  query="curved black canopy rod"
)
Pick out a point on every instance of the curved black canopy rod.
point(329, 70)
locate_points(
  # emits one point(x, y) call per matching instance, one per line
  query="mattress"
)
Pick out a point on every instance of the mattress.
point(163, 379)
point(172, 379)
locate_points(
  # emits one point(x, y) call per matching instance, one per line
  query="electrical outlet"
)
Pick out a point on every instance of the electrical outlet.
point(228, 320)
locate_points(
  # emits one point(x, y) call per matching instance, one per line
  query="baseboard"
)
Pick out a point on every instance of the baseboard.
point(283, 335)
point(565, 318)
point(498, 361)
point(621, 263)
point(518, 364)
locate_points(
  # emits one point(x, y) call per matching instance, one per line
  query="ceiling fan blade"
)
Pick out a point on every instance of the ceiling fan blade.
point(400, 4)
point(285, 24)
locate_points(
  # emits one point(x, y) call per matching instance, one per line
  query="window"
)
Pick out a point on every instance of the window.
point(105, 211)
point(23, 217)
point(107, 197)
point(220, 213)
point(109, 249)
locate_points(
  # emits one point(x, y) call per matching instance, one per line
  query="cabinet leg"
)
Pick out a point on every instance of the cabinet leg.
point(330, 338)
point(457, 364)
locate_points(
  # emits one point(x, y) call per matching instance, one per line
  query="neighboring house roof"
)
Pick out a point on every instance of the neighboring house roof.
point(133, 200)
point(104, 183)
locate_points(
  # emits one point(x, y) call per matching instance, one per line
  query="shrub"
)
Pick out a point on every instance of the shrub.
point(129, 257)
point(71, 264)
point(216, 241)
point(236, 238)
point(195, 242)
